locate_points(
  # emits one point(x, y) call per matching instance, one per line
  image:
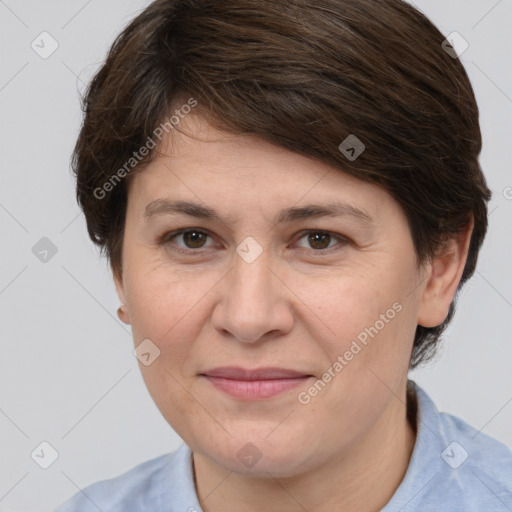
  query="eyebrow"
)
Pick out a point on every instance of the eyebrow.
point(333, 209)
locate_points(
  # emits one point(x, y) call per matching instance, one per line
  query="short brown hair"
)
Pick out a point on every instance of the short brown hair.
point(303, 74)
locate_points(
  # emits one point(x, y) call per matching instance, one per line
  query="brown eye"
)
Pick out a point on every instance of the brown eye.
point(194, 239)
point(319, 240)
point(191, 239)
point(322, 241)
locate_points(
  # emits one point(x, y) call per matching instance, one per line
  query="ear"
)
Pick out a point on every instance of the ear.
point(443, 277)
point(122, 312)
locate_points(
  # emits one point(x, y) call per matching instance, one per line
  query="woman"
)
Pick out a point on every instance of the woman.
point(290, 198)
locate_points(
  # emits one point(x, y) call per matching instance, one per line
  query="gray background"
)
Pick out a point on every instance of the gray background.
point(67, 372)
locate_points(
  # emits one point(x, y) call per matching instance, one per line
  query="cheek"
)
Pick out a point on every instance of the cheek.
point(162, 301)
point(346, 306)
point(367, 320)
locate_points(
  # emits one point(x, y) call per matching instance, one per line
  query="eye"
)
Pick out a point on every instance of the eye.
point(192, 238)
point(321, 240)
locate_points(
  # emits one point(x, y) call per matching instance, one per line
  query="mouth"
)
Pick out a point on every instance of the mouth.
point(255, 384)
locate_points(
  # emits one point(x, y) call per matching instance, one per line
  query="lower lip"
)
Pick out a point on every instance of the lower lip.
point(255, 389)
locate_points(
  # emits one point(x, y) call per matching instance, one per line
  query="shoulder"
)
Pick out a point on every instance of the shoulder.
point(143, 487)
point(476, 467)
point(453, 467)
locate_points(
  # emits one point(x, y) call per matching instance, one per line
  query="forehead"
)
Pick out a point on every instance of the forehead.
point(206, 165)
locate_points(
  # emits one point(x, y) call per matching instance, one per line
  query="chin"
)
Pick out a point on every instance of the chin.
point(262, 459)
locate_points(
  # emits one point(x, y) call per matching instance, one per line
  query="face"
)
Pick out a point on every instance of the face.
point(328, 303)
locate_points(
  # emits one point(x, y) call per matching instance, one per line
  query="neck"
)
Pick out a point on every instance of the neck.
point(363, 479)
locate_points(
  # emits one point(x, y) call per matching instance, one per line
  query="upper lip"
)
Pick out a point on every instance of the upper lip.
point(237, 373)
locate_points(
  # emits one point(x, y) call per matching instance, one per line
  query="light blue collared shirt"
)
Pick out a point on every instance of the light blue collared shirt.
point(453, 468)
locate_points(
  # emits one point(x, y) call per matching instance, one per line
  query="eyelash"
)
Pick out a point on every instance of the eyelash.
point(168, 240)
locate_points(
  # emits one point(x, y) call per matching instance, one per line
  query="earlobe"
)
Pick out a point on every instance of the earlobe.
point(122, 311)
point(444, 275)
point(123, 314)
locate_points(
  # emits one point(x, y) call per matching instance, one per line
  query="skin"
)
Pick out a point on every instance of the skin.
point(299, 306)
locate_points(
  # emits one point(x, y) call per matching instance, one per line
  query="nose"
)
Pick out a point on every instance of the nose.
point(255, 302)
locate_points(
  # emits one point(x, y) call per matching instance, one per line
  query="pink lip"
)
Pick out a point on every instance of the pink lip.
point(254, 384)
